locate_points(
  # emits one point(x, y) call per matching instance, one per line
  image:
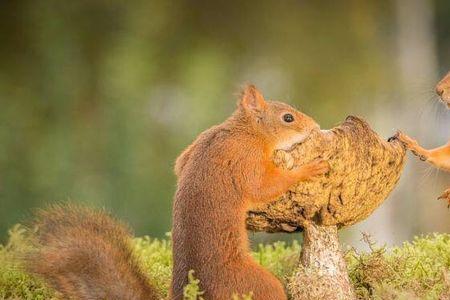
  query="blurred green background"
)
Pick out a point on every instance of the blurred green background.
point(98, 97)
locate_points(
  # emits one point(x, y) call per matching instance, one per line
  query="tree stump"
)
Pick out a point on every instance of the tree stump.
point(364, 169)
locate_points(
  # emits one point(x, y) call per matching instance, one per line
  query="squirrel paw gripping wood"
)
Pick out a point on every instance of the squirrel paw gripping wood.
point(445, 196)
point(316, 168)
point(413, 145)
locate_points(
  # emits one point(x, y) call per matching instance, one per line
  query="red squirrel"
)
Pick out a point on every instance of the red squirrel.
point(439, 157)
point(86, 254)
point(223, 173)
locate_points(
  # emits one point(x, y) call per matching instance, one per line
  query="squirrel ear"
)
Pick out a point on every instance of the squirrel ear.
point(252, 99)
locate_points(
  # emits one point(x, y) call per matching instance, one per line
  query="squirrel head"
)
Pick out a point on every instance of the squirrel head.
point(443, 90)
point(278, 123)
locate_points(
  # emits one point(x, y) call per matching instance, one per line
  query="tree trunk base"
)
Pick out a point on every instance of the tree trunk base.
point(322, 273)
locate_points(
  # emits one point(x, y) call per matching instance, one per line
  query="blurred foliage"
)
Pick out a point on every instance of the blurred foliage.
point(98, 97)
point(417, 270)
point(14, 283)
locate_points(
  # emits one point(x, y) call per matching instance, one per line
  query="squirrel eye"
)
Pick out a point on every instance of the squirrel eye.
point(288, 118)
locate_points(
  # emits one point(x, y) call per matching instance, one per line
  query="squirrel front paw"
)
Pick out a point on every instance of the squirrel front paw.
point(316, 167)
point(412, 145)
point(445, 196)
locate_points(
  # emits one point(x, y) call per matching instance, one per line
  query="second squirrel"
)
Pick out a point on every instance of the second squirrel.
point(440, 156)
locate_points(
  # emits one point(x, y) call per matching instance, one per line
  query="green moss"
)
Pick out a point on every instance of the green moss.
point(192, 290)
point(156, 258)
point(419, 269)
point(279, 258)
point(14, 283)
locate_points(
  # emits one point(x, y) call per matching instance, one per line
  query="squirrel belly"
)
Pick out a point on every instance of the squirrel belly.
point(86, 254)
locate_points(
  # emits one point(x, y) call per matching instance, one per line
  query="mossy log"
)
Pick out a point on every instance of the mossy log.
point(364, 169)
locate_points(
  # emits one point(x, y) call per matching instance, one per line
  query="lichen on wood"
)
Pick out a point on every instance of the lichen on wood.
point(363, 171)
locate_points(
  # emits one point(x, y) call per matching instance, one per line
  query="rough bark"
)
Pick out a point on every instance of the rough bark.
point(364, 170)
point(322, 273)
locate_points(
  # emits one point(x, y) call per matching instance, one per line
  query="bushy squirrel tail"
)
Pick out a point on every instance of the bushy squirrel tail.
point(86, 254)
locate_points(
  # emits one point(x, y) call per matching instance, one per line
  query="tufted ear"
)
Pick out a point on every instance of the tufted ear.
point(252, 100)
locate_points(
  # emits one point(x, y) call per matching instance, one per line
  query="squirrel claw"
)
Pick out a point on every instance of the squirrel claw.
point(411, 145)
point(396, 136)
point(393, 138)
point(445, 196)
point(406, 140)
point(420, 156)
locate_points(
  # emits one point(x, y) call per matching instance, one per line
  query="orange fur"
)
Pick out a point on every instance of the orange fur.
point(223, 173)
point(440, 156)
point(443, 89)
point(86, 254)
